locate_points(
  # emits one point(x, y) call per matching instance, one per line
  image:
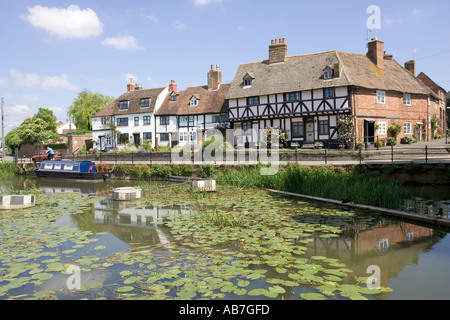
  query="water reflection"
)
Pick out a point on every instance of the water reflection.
point(366, 239)
point(136, 223)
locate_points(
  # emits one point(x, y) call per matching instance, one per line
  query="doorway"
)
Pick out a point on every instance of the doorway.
point(310, 132)
point(369, 132)
point(137, 139)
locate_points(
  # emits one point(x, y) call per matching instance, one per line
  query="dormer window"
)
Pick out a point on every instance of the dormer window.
point(194, 101)
point(173, 96)
point(328, 74)
point(145, 103)
point(123, 105)
point(248, 80)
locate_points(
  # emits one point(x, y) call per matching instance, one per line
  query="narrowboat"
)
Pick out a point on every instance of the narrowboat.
point(73, 170)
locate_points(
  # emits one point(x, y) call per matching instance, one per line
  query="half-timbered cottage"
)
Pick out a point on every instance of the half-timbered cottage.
point(185, 115)
point(305, 95)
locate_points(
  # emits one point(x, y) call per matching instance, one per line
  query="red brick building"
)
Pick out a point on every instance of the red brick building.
point(306, 95)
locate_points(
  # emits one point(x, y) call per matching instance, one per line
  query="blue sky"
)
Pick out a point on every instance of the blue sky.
point(51, 50)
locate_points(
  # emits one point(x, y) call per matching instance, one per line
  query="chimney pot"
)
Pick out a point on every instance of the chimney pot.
point(214, 78)
point(273, 42)
point(277, 51)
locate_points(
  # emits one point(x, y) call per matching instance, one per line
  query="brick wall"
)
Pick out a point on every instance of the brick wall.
point(393, 111)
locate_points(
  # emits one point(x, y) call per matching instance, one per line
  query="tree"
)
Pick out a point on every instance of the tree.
point(33, 130)
point(48, 116)
point(85, 106)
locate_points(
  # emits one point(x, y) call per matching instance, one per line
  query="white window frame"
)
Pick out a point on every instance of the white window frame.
point(381, 97)
point(194, 102)
point(382, 128)
point(407, 128)
point(328, 74)
point(406, 99)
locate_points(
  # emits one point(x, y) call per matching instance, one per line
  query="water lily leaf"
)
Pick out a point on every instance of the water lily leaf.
point(42, 276)
point(91, 285)
point(243, 283)
point(277, 289)
point(312, 296)
point(100, 247)
point(125, 273)
point(125, 289)
point(240, 291)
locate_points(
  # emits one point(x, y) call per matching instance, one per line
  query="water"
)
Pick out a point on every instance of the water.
point(151, 249)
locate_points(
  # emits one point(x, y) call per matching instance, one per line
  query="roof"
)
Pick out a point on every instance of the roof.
point(209, 102)
point(430, 83)
point(134, 107)
point(305, 72)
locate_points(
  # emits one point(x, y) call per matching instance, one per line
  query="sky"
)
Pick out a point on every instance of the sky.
point(52, 50)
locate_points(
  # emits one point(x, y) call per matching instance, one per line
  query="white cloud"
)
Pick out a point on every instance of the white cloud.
point(14, 115)
point(65, 23)
point(23, 97)
point(122, 42)
point(33, 80)
point(179, 25)
point(200, 3)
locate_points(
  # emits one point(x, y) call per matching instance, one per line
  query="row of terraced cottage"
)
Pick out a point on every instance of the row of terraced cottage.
point(303, 95)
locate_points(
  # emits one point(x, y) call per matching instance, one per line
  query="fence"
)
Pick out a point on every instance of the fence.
point(388, 154)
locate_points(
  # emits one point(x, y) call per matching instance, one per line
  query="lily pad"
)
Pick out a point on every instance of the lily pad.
point(312, 296)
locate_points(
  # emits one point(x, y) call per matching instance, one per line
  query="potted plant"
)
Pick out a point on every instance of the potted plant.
point(318, 145)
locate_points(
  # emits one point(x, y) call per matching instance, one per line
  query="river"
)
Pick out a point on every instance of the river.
point(233, 244)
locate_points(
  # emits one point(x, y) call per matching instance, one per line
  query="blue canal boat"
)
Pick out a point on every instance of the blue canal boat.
point(73, 170)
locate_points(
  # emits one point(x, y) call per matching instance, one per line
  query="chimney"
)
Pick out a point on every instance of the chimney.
point(214, 78)
point(173, 86)
point(376, 53)
point(130, 86)
point(138, 87)
point(411, 67)
point(277, 51)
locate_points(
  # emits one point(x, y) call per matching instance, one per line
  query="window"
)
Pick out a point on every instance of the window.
point(292, 96)
point(297, 129)
point(407, 127)
point(184, 119)
point(406, 99)
point(164, 136)
point(328, 74)
point(105, 121)
point(248, 82)
point(323, 127)
point(147, 136)
point(328, 92)
point(136, 121)
point(147, 120)
point(247, 128)
point(381, 97)
point(194, 102)
point(145, 103)
point(183, 136)
point(382, 128)
point(123, 138)
point(173, 96)
point(192, 136)
point(164, 121)
point(123, 105)
point(122, 122)
point(215, 119)
point(253, 101)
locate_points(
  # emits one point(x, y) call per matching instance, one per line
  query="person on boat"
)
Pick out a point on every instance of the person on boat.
point(51, 153)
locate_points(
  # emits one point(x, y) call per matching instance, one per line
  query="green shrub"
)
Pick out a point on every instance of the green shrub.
point(406, 140)
point(161, 171)
point(207, 171)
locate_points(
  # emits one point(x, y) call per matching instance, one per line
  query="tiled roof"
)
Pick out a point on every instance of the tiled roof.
point(209, 102)
point(305, 72)
point(134, 107)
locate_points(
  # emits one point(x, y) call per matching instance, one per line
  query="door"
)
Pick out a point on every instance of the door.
point(137, 139)
point(310, 132)
point(369, 132)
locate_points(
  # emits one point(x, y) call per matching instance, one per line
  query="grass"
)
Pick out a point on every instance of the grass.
point(326, 182)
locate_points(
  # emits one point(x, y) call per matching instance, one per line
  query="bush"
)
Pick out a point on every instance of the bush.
point(161, 171)
point(406, 140)
point(207, 171)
